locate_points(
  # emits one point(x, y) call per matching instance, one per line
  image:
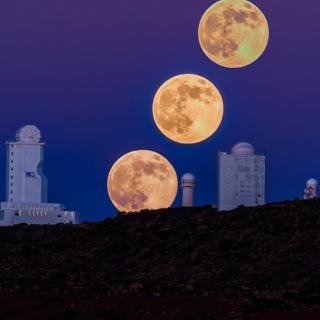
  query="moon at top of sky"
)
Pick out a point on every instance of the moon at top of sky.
point(141, 180)
point(188, 109)
point(233, 33)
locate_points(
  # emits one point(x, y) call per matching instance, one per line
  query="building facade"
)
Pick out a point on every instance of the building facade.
point(27, 188)
point(241, 178)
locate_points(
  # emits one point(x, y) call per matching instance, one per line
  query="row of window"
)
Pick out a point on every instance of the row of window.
point(38, 213)
point(33, 213)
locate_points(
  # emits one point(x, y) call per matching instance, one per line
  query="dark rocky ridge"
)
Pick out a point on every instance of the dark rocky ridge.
point(236, 265)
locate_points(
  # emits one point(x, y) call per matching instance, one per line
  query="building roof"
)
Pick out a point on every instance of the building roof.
point(188, 177)
point(243, 149)
point(28, 134)
point(312, 182)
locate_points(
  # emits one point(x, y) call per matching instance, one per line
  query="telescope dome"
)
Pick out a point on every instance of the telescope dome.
point(188, 176)
point(312, 182)
point(28, 134)
point(243, 149)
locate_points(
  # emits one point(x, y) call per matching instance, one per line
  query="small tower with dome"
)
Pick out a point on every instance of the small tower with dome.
point(188, 183)
point(241, 177)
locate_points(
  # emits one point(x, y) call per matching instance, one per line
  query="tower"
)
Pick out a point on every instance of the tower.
point(25, 180)
point(188, 183)
point(241, 177)
point(27, 185)
point(310, 191)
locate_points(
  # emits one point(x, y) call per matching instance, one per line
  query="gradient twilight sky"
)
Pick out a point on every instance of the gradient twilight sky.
point(85, 72)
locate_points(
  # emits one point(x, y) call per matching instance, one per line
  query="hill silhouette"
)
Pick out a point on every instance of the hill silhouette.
point(182, 263)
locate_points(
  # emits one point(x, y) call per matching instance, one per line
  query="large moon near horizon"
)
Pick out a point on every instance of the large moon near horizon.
point(141, 180)
point(233, 33)
point(188, 109)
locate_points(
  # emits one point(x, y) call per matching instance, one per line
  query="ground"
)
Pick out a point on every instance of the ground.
point(179, 264)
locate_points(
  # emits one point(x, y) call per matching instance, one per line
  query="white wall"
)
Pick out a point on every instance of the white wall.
point(187, 196)
point(25, 180)
point(241, 180)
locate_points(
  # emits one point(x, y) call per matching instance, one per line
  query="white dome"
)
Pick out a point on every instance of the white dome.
point(243, 149)
point(28, 134)
point(188, 177)
point(312, 182)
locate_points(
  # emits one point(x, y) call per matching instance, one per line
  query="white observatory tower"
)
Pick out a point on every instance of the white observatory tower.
point(241, 178)
point(25, 180)
point(310, 191)
point(188, 183)
point(27, 186)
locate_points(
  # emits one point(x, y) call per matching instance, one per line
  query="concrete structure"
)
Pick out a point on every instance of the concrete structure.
point(27, 186)
point(310, 191)
point(188, 183)
point(241, 178)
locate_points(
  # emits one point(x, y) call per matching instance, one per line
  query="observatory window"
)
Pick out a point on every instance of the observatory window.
point(30, 174)
point(59, 215)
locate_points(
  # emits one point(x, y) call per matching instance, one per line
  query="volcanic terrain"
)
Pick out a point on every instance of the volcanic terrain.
point(173, 264)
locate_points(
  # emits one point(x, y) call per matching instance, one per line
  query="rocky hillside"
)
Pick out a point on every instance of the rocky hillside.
point(168, 264)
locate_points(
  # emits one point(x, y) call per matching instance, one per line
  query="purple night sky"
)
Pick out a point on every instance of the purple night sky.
point(85, 72)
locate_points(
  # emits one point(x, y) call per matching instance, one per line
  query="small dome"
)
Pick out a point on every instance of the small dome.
point(312, 182)
point(243, 149)
point(188, 177)
point(28, 134)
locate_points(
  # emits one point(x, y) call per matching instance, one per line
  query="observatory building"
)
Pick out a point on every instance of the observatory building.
point(310, 191)
point(241, 178)
point(188, 183)
point(26, 199)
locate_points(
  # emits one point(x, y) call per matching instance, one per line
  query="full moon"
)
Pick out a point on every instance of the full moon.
point(233, 33)
point(142, 180)
point(188, 109)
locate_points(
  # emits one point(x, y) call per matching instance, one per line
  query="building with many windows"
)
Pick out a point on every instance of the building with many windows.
point(241, 178)
point(27, 190)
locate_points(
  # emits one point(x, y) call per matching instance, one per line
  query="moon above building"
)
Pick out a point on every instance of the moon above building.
point(233, 33)
point(188, 109)
point(141, 180)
